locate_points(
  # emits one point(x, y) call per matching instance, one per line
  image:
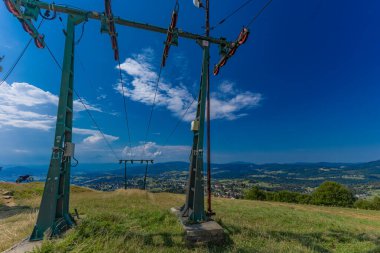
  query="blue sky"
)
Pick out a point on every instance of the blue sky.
point(303, 88)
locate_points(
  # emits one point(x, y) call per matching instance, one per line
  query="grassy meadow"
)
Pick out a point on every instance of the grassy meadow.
point(138, 221)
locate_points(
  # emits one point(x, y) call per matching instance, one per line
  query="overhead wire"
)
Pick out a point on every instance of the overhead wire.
point(159, 76)
point(180, 120)
point(122, 85)
point(76, 93)
point(176, 9)
point(259, 13)
point(152, 109)
point(60, 67)
point(120, 78)
point(81, 34)
point(9, 72)
point(232, 14)
point(187, 109)
point(125, 108)
point(84, 105)
point(245, 4)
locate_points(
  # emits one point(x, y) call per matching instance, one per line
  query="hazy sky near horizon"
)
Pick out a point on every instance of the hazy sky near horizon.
point(304, 88)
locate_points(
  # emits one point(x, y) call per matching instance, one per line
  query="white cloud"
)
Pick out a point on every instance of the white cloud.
point(25, 94)
point(152, 150)
point(81, 105)
point(226, 103)
point(22, 151)
point(21, 106)
point(223, 107)
point(93, 136)
point(101, 97)
point(226, 87)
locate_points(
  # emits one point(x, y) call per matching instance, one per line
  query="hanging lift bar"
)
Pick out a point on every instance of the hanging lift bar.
point(228, 52)
point(25, 17)
point(108, 25)
point(172, 35)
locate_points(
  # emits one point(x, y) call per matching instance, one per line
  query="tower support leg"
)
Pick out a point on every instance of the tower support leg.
point(54, 217)
point(193, 209)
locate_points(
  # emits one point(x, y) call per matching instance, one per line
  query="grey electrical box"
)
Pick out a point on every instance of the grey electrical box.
point(195, 125)
point(69, 149)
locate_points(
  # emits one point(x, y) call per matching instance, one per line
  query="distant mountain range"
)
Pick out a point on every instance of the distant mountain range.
point(274, 173)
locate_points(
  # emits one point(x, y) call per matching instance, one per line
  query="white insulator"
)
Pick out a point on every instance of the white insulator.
point(197, 3)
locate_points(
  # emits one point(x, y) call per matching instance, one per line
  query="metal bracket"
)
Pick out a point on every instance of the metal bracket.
point(174, 40)
point(31, 11)
point(104, 25)
point(228, 52)
point(223, 49)
point(25, 16)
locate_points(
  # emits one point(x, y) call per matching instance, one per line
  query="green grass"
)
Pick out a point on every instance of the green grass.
point(136, 221)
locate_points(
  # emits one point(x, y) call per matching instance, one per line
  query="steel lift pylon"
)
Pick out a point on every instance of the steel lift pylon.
point(194, 210)
point(54, 216)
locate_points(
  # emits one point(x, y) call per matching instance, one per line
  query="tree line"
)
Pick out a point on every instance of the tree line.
point(327, 194)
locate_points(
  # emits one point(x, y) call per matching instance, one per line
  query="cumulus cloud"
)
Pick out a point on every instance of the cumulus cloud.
point(226, 103)
point(225, 106)
point(226, 87)
point(21, 106)
point(93, 136)
point(93, 148)
point(158, 152)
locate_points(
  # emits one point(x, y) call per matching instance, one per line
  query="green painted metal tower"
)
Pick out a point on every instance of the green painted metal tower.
point(54, 217)
point(194, 206)
point(194, 210)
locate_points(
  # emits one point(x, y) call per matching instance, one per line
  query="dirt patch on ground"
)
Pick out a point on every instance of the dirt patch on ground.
point(24, 246)
point(8, 206)
point(7, 198)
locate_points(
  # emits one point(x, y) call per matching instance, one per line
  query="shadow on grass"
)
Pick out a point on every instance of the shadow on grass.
point(227, 243)
point(178, 240)
point(9, 211)
point(156, 239)
point(317, 242)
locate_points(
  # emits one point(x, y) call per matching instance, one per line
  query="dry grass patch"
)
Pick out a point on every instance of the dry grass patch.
point(16, 227)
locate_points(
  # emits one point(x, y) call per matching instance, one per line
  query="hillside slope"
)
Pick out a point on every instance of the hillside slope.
point(137, 221)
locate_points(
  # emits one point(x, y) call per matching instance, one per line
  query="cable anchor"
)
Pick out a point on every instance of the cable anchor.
point(30, 12)
point(228, 51)
point(172, 34)
point(108, 26)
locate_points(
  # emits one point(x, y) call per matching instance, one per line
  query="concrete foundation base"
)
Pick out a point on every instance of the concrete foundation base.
point(24, 246)
point(205, 232)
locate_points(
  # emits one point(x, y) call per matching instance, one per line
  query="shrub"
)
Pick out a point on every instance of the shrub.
point(328, 194)
point(333, 194)
point(288, 196)
point(304, 199)
point(255, 194)
point(282, 196)
point(373, 204)
point(271, 196)
point(363, 204)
